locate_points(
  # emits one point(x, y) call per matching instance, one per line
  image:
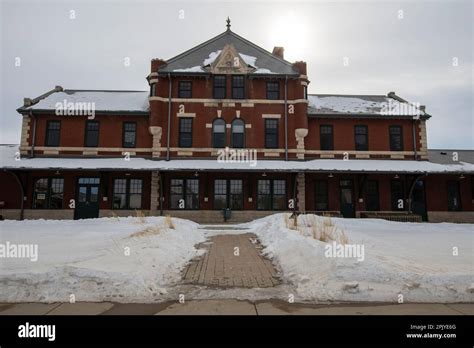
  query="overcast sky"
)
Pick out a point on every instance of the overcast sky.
point(410, 47)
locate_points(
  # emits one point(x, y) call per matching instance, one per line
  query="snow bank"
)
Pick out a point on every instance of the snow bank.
point(96, 259)
point(412, 259)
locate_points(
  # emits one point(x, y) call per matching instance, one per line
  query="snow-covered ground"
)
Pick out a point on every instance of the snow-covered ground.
point(415, 260)
point(112, 259)
point(96, 259)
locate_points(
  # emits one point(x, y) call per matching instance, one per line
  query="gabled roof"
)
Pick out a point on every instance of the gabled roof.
point(389, 105)
point(105, 101)
point(193, 60)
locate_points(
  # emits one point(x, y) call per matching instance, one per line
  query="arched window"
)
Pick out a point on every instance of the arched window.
point(218, 133)
point(238, 133)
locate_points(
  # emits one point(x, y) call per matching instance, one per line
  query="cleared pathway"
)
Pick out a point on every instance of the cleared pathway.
point(231, 260)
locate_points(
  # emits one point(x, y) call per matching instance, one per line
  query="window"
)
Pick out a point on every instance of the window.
point(184, 194)
point(238, 87)
point(129, 134)
point(219, 86)
point(361, 138)
point(454, 196)
point(305, 92)
point(127, 194)
point(396, 138)
point(372, 195)
point(326, 137)
point(53, 130)
point(271, 194)
point(271, 133)
point(228, 194)
point(48, 193)
point(321, 187)
point(185, 132)
point(273, 90)
point(397, 195)
point(185, 89)
point(218, 133)
point(92, 134)
point(152, 89)
point(238, 133)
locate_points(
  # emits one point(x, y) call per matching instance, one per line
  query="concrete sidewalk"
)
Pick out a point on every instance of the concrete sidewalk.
point(235, 307)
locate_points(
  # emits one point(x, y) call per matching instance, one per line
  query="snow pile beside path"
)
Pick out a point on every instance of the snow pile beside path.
point(96, 259)
point(412, 259)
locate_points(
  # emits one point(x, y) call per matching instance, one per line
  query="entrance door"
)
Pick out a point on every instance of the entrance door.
point(418, 204)
point(228, 194)
point(346, 199)
point(87, 198)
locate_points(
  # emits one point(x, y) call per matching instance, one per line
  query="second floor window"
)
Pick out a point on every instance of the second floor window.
point(271, 133)
point(326, 137)
point(219, 87)
point(238, 87)
point(185, 89)
point(185, 132)
point(396, 138)
point(273, 90)
point(361, 138)
point(92, 134)
point(218, 133)
point(238, 133)
point(129, 134)
point(53, 130)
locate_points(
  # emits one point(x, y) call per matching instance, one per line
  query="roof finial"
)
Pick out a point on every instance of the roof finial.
point(228, 23)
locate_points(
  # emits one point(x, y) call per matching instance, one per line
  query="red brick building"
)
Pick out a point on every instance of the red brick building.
point(230, 126)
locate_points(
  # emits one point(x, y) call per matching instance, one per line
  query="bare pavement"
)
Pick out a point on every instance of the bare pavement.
point(234, 307)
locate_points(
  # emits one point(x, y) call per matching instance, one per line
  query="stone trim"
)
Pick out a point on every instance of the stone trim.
point(301, 192)
point(362, 156)
point(152, 81)
point(235, 101)
point(156, 132)
point(211, 105)
point(271, 154)
point(271, 115)
point(155, 191)
point(248, 125)
point(186, 114)
point(185, 153)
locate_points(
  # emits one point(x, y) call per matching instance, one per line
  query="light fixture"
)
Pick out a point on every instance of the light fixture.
point(127, 174)
point(330, 175)
point(57, 172)
point(396, 176)
point(264, 174)
point(196, 174)
point(461, 176)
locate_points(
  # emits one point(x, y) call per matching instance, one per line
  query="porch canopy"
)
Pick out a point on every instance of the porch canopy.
point(9, 162)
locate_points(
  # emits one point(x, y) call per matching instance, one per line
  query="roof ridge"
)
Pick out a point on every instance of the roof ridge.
point(348, 95)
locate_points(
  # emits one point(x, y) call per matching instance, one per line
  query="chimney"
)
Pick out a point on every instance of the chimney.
point(300, 67)
point(391, 94)
point(423, 108)
point(156, 63)
point(27, 102)
point(279, 51)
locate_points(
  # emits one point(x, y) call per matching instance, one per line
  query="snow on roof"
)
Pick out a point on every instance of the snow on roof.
point(108, 101)
point(7, 161)
point(324, 104)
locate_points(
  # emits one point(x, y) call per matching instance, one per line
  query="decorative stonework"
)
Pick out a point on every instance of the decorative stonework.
point(155, 192)
point(156, 132)
point(25, 133)
point(423, 140)
point(300, 134)
point(229, 61)
point(300, 189)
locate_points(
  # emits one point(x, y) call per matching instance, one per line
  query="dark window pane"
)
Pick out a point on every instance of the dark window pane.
point(185, 89)
point(53, 129)
point(264, 195)
point(177, 193)
point(397, 195)
point(326, 136)
point(56, 193)
point(120, 194)
point(271, 133)
point(361, 138)
point(454, 196)
point(41, 194)
point(238, 131)
point(279, 194)
point(192, 193)
point(218, 133)
point(321, 195)
point(273, 90)
point(219, 86)
point(129, 134)
point(238, 88)
point(92, 134)
point(372, 190)
point(185, 132)
point(396, 138)
point(236, 194)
